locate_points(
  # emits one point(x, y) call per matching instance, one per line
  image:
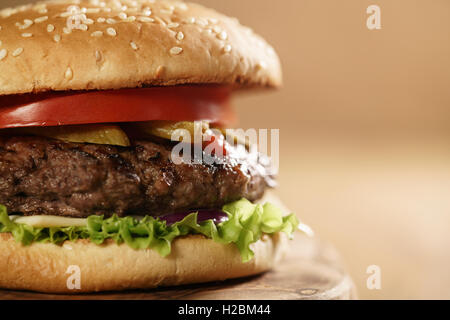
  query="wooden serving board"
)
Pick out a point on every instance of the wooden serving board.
point(312, 270)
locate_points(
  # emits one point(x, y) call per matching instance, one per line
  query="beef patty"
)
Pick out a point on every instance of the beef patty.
point(51, 177)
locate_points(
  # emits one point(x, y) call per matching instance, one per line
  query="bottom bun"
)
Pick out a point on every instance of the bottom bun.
point(82, 266)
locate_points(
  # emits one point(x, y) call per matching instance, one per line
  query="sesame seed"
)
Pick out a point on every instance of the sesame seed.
point(131, 18)
point(111, 31)
point(182, 6)
point(27, 24)
point(159, 71)
point(89, 21)
point(101, 20)
point(43, 10)
point(107, 9)
point(180, 35)
point(147, 12)
point(134, 45)
point(83, 27)
point(146, 19)
point(69, 74)
point(97, 34)
point(67, 30)
point(8, 12)
point(217, 29)
point(176, 50)
point(3, 54)
point(92, 10)
point(161, 21)
point(170, 7)
point(27, 35)
point(50, 28)
point(57, 37)
point(41, 19)
point(122, 15)
point(227, 48)
point(17, 52)
point(201, 22)
point(223, 35)
point(110, 21)
point(23, 8)
point(173, 25)
point(98, 56)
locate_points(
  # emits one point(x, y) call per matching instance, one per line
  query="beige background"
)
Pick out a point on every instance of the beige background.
point(365, 130)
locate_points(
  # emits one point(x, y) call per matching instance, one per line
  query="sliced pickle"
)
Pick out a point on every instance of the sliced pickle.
point(165, 129)
point(99, 134)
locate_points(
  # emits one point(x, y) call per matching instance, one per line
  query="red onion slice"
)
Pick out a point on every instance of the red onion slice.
point(217, 216)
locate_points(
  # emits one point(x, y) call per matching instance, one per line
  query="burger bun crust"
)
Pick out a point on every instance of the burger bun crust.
point(160, 43)
point(51, 268)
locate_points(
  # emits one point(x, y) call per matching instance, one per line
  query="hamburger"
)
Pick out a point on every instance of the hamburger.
point(91, 95)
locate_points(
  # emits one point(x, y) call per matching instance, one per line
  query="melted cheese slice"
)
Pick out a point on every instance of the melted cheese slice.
point(49, 221)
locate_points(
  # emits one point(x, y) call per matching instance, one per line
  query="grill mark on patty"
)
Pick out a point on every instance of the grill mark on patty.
point(44, 176)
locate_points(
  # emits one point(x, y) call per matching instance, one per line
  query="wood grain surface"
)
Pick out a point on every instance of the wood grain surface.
point(312, 270)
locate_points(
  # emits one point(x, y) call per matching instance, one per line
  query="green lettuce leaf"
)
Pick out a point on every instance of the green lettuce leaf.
point(245, 225)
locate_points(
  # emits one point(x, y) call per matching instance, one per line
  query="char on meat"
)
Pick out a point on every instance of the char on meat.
point(41, 176)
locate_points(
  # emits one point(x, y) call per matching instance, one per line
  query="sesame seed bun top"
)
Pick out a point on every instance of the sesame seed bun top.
point(112, 44)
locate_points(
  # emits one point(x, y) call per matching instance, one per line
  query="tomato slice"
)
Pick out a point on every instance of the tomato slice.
point(179, 103)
